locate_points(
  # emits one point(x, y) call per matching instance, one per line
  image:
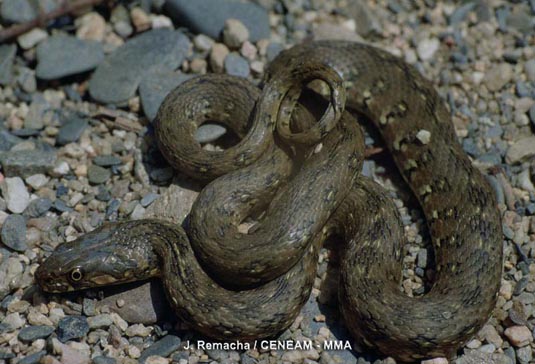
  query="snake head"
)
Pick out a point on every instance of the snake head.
point(110, 254)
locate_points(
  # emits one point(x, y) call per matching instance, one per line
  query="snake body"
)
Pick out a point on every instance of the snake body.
point(302, 182)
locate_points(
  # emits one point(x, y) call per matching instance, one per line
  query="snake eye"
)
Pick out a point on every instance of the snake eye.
point(76, 274)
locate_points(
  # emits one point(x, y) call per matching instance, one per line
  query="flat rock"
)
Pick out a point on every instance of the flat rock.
point(63, 55)
point(520, 150)
point(163, 347)
point(498, 76)
point(175, 203)
point(25, 163)
point(154, 88)
point(118, 77)
point(7, 56)
point(18, 11)
point(71, 130)
point(145, 302)
point(209, 16)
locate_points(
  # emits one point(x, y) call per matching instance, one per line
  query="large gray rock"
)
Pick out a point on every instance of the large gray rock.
point(18, 11)
point(63, 55)
point(209, 16)
point(118, 77)
point(7, 56)
point(155, 86)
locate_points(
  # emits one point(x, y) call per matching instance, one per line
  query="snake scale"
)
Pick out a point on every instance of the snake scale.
point(300, 178)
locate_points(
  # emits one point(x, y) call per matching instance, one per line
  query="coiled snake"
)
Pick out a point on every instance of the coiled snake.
point(302, 182)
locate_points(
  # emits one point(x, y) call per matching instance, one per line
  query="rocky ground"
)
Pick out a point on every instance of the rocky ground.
point(76, 104)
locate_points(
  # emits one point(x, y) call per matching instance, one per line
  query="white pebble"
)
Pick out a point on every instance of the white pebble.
point(15, 194)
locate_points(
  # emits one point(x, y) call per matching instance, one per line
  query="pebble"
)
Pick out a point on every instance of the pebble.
point(32, 333)
point(107, 160)
point(273, 50)
point(525, 355)
point(104, 360)
point(30, 39)
point(203, 43)
point(34, 358)
point(116, 80)
point(98, 175)
point(529, 68)
point(14, 233)
point(91, 26)
point(193, 15)
point(435, 361)
point(498, 76)
point(427, 48)
point(19, 11)
point(72, 327)
point(62, 55)
point(15, 194)
point(71, 130)
point(25, 163)
point(208, 133)
point(460, 13)
point(7, 57)
point(234, 33)
point(148, 199)
point(154, 88)
point(38, 207)
point(163, 347)
point(217, 57)
point(138, 330)
point(522, 149)
point(236, 65)
point(518, 335)
point(99, 321)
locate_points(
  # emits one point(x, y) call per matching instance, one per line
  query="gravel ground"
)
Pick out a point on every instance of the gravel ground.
point(76, 149)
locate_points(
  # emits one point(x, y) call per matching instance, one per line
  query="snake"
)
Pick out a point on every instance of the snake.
point(243, 263)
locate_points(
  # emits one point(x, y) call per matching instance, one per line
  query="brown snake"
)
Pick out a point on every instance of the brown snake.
point(229, 284)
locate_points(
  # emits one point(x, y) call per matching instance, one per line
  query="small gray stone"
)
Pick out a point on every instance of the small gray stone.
point(99, 321)
point(71, 130)
point(118, 77)
point(97, 175)
point(36, 113)
point(529, 68)
point(498, 76)
point(34, 358)
point(273, 50)
point(461, 13)
point(72, 327)
point(31, 333)
point(194, 15)
point(148, 199)
point(26, 163)
point(63, 55)
point(14, 233)
point(154, 88)
point(38, 207)
point(520, 150)
point(7, 56)
point(8, 140)
point(104, 360)
point(19, 11)
point(15, 194)
point(207, 133)
point(524, 355)
point(163, 347)
point(236, 65)
point(366, 19)
point(107, 160)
